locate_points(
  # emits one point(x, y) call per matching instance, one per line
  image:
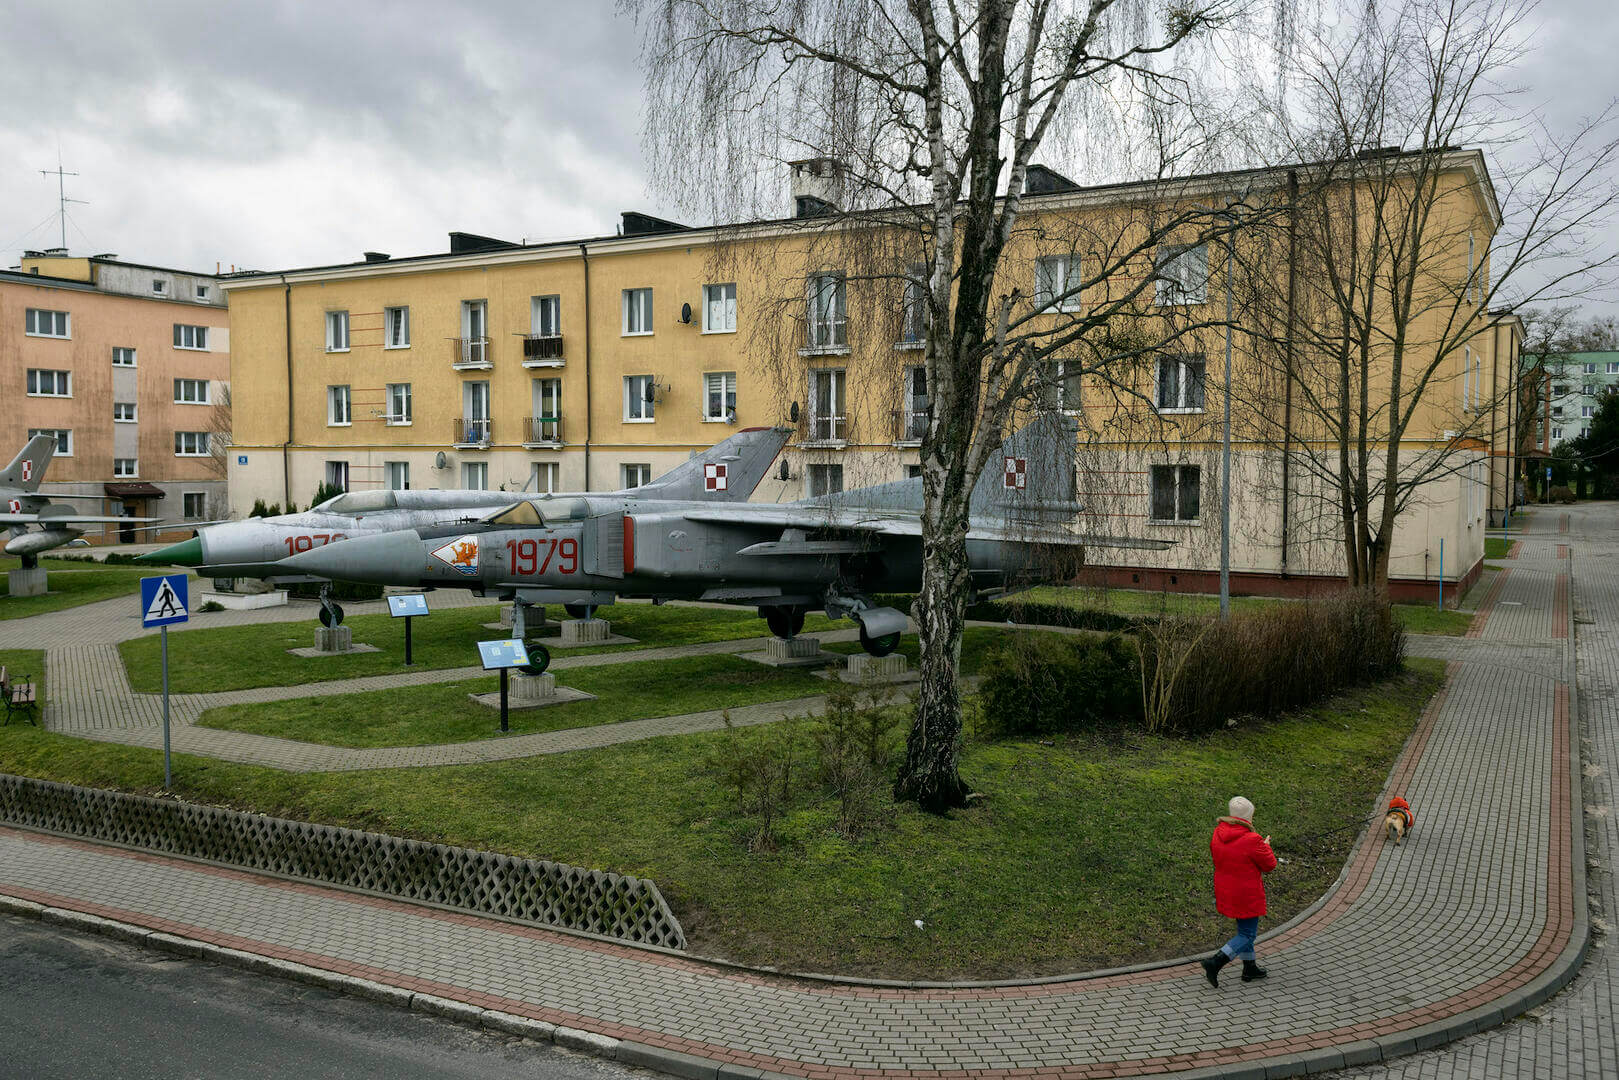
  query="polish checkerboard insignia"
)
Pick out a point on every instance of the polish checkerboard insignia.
point(1017, 473)
point(714, 478)
point(27, 469)
point(15, 506)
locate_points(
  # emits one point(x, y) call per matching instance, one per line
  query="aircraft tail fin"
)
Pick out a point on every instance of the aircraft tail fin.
point(27, 469)
point(728, 471)
point(1033, 476)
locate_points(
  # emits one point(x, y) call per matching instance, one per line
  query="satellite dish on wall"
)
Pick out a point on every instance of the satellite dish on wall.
point(792, 413)
point(439, 461)
point(784, 473)
point(685, 313)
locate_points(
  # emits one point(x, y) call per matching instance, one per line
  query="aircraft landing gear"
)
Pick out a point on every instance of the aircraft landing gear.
point(539, 658)
point(331, 612)
point(784, 622)
point(580, 611)
point(881, 645)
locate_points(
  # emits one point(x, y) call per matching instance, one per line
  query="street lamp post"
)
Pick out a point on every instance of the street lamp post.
point(1225, 438)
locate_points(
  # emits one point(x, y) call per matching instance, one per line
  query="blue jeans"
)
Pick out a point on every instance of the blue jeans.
point(1241, 947)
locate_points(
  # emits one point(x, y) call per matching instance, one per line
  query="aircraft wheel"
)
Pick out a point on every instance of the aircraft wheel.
point(331, 616)
point(579, 611)
point(879, 646)
point(539, 658)
point(785, 623)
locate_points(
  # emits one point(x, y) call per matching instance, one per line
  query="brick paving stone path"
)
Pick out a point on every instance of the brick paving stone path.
point(1476, 907)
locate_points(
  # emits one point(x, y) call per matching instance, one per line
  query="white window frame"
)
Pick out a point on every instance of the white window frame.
point(637, 312)
point(913, 311)
point(913, 406)
point(399, 394)
point(133, 412)
point(1048, 271)
point(396, 319)
point(634, 474)
point(836, 420)
point(190, 444)
point(475, 475)
point(1587, 411)
point(64, 439)
point(717, 301)
point(827, 321)
point(1613, 367)
point(1061, 378)
point(1174, 286)
point(817, 476)
point(337, 474)
point(1557, 434)
point(337, 331)
point(1183, 384)
point(544, 477)
point(186, 498)
point(125, 350)
point(190, 337)
point(160, 287)
point(724, 382)
point(1590, 369)
point(396, 475)
point(202, 294)
point(1467, 378)
point(545, 316)
point(131, 473)
point(61, 383)
point(33, 318)
point(339, 406)
point(185, 387)
point(1175, 473)
point(644, 411)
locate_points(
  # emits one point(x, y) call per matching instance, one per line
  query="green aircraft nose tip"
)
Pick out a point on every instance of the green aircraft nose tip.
point(185, 553)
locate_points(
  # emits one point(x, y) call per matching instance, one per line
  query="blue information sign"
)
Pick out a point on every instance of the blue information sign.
point(509, 653)
point(164, 600)
point(407, 604)
point(241, 459)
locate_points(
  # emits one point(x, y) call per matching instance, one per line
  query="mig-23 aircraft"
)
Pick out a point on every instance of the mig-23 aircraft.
point(830, 552)
point(257, 547)
point(26, 505)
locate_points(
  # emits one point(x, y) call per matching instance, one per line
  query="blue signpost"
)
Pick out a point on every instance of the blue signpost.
point(407, 606)
point(504, 655)
point(165, 601)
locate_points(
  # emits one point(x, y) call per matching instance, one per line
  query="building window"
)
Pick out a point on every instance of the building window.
point(634, 476)
point(125, 468)
point(190, 337)
point(914, 420)
point(123, 412)
point(43, 383)
point(637, 311)
point(1587, 411)
point(913, 315)
point(1180, 384)
point(544, 477)
point(719, 309)
point(1067, 375)
point(190, 444)
point(191, 391)
point(827, 403)
point(337, 331)
point(546, 395)
point(545, 316)
point(640, 396)
point(1613, 367)
point(913, 472)
point(396, 328)
point(1056, 282)
point(202, 294)
point(1588, 389)
point(474, 333)
point(1590, 369)
point(63, 436)
point(719, 396)
point(828, 312)
point(194, 504)
point(1175, 492)
point(475, 426)
point(1557, 434)
point(1559, 391)
point(337, 475)
point(37, 323)
point(397, 474)
point(338, 411)
point(1557, 410)
point(825, 480)
point(122, 357)
point(398, 403)
point(160, 287)
point(1182, 275)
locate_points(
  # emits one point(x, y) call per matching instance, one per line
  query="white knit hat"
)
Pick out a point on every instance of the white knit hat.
point(1240, 808)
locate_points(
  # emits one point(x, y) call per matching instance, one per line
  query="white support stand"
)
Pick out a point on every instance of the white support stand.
point(28, 581)
point(585, 632)
point(334, 639)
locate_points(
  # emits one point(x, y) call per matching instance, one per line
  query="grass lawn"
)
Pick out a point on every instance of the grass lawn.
point(30, 663)
point(71, 583)
point(1496, 547)
point(1092, 851)
point(1416, 618)
point(975, 642)
point(441, 713)
point(242, 657)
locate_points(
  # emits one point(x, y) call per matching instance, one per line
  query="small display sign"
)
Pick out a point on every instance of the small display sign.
point(407, 604)
point(241, 459)
point(509, 653)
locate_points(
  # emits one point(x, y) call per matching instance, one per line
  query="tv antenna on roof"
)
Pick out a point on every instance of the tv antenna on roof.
point(61, 195)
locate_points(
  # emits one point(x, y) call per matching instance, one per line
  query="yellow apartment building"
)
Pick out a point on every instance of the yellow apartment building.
point(128, 365)
point(596, 364)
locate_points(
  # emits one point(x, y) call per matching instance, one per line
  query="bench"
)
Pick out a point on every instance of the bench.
point(18, 695)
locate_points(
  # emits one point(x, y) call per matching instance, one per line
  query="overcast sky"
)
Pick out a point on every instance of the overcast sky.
point(278, 134)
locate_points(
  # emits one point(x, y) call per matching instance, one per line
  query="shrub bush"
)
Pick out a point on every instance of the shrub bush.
point(1198, 675)
point(1023, 612)
point(1561, 494)
point(1038, 684)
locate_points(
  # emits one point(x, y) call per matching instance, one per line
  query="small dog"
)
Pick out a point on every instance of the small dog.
point(1399, 820)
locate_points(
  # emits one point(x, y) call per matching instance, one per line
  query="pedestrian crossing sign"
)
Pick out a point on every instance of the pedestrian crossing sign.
point(164, 600)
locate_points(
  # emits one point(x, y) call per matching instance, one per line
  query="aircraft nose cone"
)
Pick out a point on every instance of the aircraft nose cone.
point(185, 553)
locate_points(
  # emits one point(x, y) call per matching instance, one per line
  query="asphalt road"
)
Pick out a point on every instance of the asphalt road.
point(76, 1006)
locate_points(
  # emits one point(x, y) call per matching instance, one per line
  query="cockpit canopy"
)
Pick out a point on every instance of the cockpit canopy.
point(521, 513)
point(358, 502)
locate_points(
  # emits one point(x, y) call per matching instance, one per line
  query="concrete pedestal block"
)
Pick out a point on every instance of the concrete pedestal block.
point(333, 639)
point(236, 601)
point(865, 666)
point(28, 581)
point(586, 631)
point(528, 688)
point(798, 648)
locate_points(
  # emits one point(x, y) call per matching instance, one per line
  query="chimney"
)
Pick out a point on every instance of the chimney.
point(818, 186)
point(376, 256)
point(1039, 180)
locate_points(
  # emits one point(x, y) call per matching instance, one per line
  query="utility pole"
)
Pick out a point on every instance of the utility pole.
point(61, 195)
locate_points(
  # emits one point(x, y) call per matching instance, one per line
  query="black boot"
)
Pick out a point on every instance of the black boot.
point(1212, 966)
point(1252, 971)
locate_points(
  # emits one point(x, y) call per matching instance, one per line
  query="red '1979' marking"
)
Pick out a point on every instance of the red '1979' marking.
point(525, 559)
point(295, 544)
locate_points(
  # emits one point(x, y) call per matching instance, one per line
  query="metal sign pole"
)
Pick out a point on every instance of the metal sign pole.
point(407, 640)
point(505, 676)
point(168, 774)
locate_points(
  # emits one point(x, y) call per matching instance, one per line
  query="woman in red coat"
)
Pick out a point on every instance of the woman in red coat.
point(1241, 860)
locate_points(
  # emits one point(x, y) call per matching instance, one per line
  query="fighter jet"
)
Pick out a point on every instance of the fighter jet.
point(26, 505)
point(258, 547)
point(831, 552)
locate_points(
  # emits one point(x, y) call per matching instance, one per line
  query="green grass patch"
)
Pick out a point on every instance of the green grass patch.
point(243, 657)
point(29, 665)
point(976, 641)
point(1416, 618)
point(1428, 619)
point(71, 583)
point(1090, 851)
point(442, 713)
point(1496, 547)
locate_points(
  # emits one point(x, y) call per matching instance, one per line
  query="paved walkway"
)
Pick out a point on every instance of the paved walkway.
point(1478, 916)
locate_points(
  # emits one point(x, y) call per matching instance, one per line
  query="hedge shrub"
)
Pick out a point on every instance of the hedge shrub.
point(1038, 684)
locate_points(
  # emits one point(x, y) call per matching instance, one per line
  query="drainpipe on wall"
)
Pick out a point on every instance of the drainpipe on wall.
point(1287, 401)
point(584, 257)
point(286, 452)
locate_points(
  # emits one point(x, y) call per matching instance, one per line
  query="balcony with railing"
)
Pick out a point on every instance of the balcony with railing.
point(543, 431)
point(471, 354)
point(474, 433)
point(826, 430)
point(542, 350)
point(909, 424)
